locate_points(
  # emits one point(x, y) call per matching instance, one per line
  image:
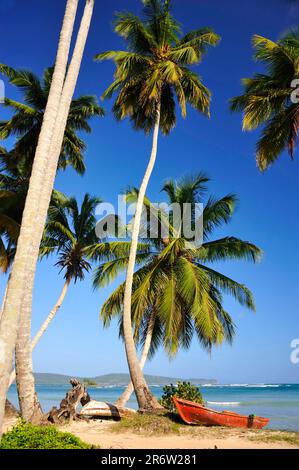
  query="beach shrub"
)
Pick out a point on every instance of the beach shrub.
point(89, 382)
point(26, 436)
point(184, 390)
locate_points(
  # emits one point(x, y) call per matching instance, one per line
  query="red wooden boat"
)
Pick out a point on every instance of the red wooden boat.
point(193, 413)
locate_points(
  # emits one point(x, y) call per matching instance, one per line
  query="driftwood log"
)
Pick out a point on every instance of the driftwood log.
point(67, 411)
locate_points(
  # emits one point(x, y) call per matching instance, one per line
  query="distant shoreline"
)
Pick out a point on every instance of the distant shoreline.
point(122, 379)
point(115, 379)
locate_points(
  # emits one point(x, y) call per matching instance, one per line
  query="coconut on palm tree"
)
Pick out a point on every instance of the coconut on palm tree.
point(267, 98)
point(176, 292)
point(151, 74)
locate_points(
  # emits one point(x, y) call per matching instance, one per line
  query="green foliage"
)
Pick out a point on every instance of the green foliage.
point(155, 68)
point(175, 282)
point(184, 390)
point(26, 121)
point(89, 382)
point(147, 424)
point(266, 99)
point(70, 233)
point(278, 436)
point(26, 436)
point(24, 126)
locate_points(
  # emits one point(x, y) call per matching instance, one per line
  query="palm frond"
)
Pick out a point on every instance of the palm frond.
point(228, 248)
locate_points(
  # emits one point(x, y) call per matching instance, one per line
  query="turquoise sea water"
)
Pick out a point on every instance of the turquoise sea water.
point(280, 402)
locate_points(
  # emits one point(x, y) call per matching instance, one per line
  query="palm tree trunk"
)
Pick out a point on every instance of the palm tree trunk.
point(3, 300)
point(125, 397)
point(24, 371)
point(56, 143)
point(32, 219)
point(46, 324)
point(145, 398)
point(51, 315)
point(54, 153)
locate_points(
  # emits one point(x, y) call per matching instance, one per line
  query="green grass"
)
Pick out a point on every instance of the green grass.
point(279, 436)
point(147, 424)
point(167, 424)
point(26, 436)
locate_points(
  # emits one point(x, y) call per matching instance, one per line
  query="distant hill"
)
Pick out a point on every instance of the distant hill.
point(114, 379)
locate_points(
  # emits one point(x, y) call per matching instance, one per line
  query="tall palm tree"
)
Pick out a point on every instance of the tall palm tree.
point(23, 346)
point(150, 75)
point(27, 119)
point(70, 234)
point(17, 307)
point(11, 311)
point(176, 293)
point(266, 99)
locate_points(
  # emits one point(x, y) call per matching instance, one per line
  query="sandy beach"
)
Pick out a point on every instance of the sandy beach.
point(105, 435)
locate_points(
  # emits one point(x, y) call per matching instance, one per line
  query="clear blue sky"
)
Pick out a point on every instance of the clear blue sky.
point(116, 157)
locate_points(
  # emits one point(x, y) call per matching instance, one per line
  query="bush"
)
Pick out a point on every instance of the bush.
point(184, 390)
point(89, 382)
point(26, 436)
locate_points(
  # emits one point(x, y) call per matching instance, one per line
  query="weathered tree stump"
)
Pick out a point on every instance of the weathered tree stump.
point(10, 410)
point(38, 417)
point(68, 406)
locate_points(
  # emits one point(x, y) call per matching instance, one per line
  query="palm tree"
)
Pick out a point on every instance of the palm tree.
point(17, 307)
point(70, 234)
point(176, 293)
point(17, 163)
point(27, 120)
point(26, 124)
point(266, 99)
point(150, 75)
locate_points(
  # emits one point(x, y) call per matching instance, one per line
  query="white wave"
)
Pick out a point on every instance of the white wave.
point(248, 385)
point(224, 403)
point(223, 385)
point(265, 385)
point(238, 385)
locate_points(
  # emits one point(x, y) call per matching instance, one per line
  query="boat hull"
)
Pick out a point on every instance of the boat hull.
point(102, 409)
point(193, 413)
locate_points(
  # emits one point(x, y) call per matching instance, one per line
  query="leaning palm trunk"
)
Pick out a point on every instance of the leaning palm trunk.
point(51, 315)
point(125, 397)
point(145, 398)
point(56, 143)
point(32, 222)
point(46, 323)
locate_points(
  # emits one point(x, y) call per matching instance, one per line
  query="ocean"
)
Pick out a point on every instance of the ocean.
point(278, 402)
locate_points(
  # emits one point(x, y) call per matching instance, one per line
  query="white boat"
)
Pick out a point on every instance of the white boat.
point(101, 408)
